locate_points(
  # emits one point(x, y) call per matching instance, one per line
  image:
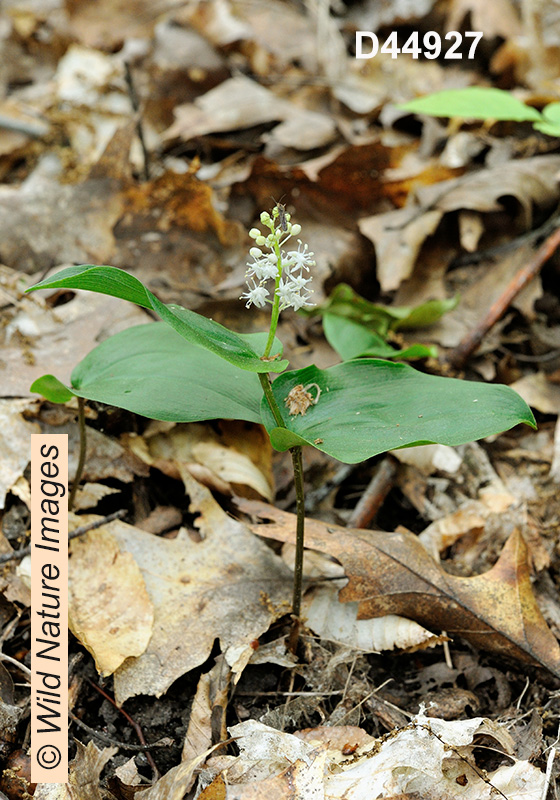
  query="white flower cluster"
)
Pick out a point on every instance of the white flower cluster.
point(285, 268)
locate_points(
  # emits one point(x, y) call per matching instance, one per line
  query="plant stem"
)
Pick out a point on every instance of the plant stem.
point(82, 458)
point(297, 462)
point(275, 305)
point(270, 399)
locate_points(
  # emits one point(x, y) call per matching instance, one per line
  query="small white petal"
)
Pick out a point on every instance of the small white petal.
point(298, 282)
point(255, 296)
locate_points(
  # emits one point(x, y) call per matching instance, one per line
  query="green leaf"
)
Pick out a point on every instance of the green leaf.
point(151, 370)
point(551, 120)
point(474, 102)
point(51, 388)
point(426, 314)
point(345, 302)
point(193, 327)
point(369, 406)
point(352, 340)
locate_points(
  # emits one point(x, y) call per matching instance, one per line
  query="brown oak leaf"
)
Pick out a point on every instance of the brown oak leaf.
point(392, 573)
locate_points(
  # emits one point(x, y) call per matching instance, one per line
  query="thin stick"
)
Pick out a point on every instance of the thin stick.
point(16, 555)
point(372, 499)
point(297, 462)
point(315, 496)
point(136, 727)
point(279, 693)
point(139, 127)
point(464, 350)
point(36, 129)
point(548, 773)
point(540, 233)
point(108, 740)
point(26, 671)
point(363, 700)
point(83, 448)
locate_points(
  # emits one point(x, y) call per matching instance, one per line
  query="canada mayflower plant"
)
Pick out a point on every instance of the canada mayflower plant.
point(188, 368)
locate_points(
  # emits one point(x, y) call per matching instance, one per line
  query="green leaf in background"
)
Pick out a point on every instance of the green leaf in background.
point(474, 102)
point(151, 370)
point(367, 407)
point(351, 340)
point(551, 120)
point(426, 314)
point(345, 302)
point(195, 328)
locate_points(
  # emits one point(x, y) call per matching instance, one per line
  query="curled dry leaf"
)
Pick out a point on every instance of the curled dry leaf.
point(236, 458)
point(530, 181)
point(209, 705)
point(90, 495)
point(392, 573)
point(398, 235)
point(339, 622)
point(429, 458)
point(240, 103)
point(470, 515)
point(498, 18)
point(105, 457)
point(109, 609)
point(539, 392)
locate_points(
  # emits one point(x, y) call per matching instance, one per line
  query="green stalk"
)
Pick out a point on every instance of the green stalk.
point(270, 399)
point(275, 307)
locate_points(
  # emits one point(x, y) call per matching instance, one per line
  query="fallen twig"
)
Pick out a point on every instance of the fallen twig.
point(16, 555)
point(372, 499)
point(134, 725)
point(36, 129)
point(535, 235)
point(108, 740)
point(460, 355)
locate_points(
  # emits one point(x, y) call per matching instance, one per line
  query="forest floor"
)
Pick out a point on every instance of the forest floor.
point(151, 136)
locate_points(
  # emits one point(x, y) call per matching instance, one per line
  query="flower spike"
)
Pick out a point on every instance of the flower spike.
point(285, 268)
